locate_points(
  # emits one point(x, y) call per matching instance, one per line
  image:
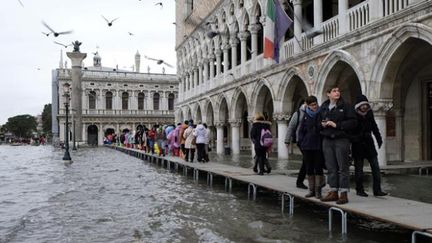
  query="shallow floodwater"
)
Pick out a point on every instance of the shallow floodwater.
point(108, 196)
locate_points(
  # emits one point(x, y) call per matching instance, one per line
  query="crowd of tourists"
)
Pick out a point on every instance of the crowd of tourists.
point(328, 136)
point(183, 140)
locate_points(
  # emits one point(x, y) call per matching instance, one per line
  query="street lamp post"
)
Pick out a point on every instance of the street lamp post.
point(66, 95)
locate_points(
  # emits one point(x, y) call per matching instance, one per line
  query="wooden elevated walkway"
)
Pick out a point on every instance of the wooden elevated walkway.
point(409, 214)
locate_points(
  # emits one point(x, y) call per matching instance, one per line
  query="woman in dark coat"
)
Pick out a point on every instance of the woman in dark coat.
point(258, 125)
point(309, 141)
point(363, 146)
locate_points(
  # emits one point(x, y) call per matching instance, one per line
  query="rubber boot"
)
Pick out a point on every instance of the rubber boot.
point(311, 181)
point(330, 197)
point(318, 185)
point(343, 198)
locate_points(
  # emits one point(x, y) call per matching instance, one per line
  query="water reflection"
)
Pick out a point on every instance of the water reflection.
point(107, 196)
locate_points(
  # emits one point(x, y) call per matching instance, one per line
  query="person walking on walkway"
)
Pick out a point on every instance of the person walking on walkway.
point(183, 127)
point(309, 141)
point(337, 120)
point(207, 143)
point(201, 135)
point(259, 127)
point(363, 147)
point(291, 137)
point(190, 142)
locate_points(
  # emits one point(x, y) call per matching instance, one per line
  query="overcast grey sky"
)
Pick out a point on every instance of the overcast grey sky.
point(28, 56)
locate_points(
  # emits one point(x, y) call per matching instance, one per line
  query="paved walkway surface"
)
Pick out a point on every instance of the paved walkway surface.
point(405, 213)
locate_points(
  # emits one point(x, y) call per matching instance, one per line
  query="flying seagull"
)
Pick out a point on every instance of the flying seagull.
point(109, 22)
point(158, 61)
point(130, 33)
point(159, 3)
point(22, 5)
point(47, 34)
point(65, 46)
point(56, 33)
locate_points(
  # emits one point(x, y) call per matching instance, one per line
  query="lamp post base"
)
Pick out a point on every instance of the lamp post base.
point(67, 156)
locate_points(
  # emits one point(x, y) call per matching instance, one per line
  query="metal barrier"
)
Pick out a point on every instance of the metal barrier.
point(196, 174)
point(228, 184)
point(291, 202)
point(415, 233)
point(343, 217)
point(254, 190)
point(210, 179)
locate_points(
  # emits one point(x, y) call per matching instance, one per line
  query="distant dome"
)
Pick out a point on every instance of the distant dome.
point(97, 60)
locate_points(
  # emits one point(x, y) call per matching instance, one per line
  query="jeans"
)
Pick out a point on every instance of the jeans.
point(200, 152)
point(376, 174)
point(192, 154)
point(336, 155)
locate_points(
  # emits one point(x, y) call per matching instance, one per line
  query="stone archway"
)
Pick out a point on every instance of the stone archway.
point(240, 124)
point(407, 83)
point(198, 114)
point(293, 95)
point(92, 135)
point(222, 126)
point(209, 120)
point(344, 76)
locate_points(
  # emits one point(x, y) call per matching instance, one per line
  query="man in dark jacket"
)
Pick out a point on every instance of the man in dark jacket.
point(363, 146)
point(337, 120)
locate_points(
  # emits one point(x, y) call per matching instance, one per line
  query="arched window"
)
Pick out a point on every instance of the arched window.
point(141, 101)
point(171, 102)
point(92, 100)
point(156, 97)
point(125, 100)
point(108, 100)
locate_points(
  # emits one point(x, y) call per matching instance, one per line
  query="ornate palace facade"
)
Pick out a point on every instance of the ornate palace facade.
point(114, 100)
point(381, 48)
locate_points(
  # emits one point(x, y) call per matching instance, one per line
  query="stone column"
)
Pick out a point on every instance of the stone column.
point(343, 16)
point(282, 127)
point(253, 29)
point(226, 47)
point(234, 42)
point(101, 134)
point(76, 102)
point(212, 68)
point(235, 136)
point(376, 10)
point(380, 108)
point(243, 46)
point(219, 138)
point(195, 79)
point(298, 16)
point(206, 71)
point(218, 53)
point(318, 19)
point(200, 74)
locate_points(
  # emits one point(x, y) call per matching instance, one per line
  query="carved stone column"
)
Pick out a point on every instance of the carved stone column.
point(226, 48)
point(380, 108)
point(253, 29)
point(235, 136)
point(298, 16)
point(282, 127)
point(343, 16)
point(243, 46)
point(234, 42)
point(219, 137)
point(76, 95)
point(212, 66)
point(218, 53)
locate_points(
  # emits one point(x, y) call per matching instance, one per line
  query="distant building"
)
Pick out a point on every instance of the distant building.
point(381, 48)
point(114, 100)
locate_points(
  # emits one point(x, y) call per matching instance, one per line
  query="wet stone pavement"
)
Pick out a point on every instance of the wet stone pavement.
point(108, 196)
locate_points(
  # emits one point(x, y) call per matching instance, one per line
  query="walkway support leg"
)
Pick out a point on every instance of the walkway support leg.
point(254, 190)
point(210, 179)
point(343, 216)
point(228, 184)
point(415, 233)
point(291, 202)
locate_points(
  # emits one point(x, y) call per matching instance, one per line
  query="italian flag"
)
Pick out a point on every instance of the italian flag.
point(269, 30)
point(277, 23)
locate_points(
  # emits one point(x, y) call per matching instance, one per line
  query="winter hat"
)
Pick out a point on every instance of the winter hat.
point(361, 100)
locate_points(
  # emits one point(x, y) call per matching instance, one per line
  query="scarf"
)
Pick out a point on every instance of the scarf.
point(311, 113)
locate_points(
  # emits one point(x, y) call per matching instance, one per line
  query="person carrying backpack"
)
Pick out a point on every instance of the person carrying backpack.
point(291, 137)
point(261, 138)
